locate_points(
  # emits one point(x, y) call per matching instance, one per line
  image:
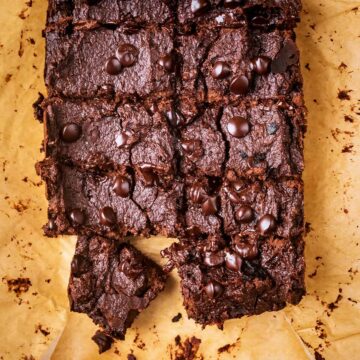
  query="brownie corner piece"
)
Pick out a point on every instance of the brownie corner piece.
point(112, 283)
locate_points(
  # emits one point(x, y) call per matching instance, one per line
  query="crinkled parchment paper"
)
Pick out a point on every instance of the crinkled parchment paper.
point(35, 322)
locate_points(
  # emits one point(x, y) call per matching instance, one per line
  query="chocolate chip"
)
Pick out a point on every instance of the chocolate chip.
point(246, 250)
point(266, 224)
point(192, 148)
point(175, 118)
point(244, 214)
point(213, 259)
point(113, 66)
point(70, 132)
point(259, 21)
point(107, 216)
point(197, 193)
point(127, 54)
point(213, 289)
point(272, 128)
point(121, 186)
point(233, 261)
point(125, 138)
point(149, 177)
point(103, 341)
point(221, 70)
point(232, 3)
point(238, 126)
point(261, 65)
point(198, 7)
point(233, 196)
point(287, 56)
point(240, 85)
point(209, 206)
point(237, 185)
point(80, 265)
point(168, 62)
point(77, 216)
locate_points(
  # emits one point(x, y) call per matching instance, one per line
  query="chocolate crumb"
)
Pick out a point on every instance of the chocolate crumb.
point(344, 94)
point(19, 285)
point(8, 77)
point(176, 318)
point(347, 148)
point(348, 118)
point(307, 66)
point(224, 348)
point(103, 341)
point(188, 350)
point(318, 356)
point(39, 328)
point(131, 357)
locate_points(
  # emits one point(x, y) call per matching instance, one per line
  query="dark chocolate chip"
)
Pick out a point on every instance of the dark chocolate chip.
point(261, 65)
point(287, 56)
point(232, 3)
point(240, 85)
point(168, 62)
point(244, 214)
point(107, 216)
point(149, 176)
point(221, 70)
point(233, 261)
point(266, 224)
point(71, 132)
point(213, 289)
point(103, 341)
point(175, 118)
point(176, 318)
point(259, 21)
point(238, 126)
point(127, 54)
point(113, 66)
point(209, 206)
point(237, 185)
point(197, 193)
point(272, 128)
point(125, 138)
point(192, 148)
point(80, 265)
point(213, 259)
point(121, 186)
point(198, 7)
point(246, 250)
point(77, 216)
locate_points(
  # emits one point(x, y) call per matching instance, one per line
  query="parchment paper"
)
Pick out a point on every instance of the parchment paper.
point(35, 322)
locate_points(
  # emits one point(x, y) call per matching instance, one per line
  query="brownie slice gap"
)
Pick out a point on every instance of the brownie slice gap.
point(104, 62)
point(112, 283)
point(221, 281)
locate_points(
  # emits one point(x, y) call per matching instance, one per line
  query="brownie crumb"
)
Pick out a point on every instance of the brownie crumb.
point(176, 318)
point(8, 77)
point(344, 94)
point(342, 66)
point(307, 66)
point(347, 148)
point(188, 350)
point(131, 357)
point(40, 329)
point(318, 356)
point(18, 286)
point(103, 341)
point(224, 348)
point(38, 110)
point(348, 118)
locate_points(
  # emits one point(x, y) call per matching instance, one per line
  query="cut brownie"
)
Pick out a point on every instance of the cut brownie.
point(112, 283)
point(222, 281)
point(230, 13)
point(100, 135)
point(106, 62)
point(114, 204)
point(131, 13)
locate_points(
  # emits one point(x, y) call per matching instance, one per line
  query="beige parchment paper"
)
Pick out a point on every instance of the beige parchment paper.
point(35, 322)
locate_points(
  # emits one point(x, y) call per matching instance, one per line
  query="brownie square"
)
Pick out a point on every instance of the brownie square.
point(103, 135)
point(102, 62)
point(221, 281)
point(132, 13)
point(264, 139)
point(112, 204)
point(112, 283)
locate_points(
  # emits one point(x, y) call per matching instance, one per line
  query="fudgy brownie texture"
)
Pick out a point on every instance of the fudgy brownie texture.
point(112, 283)
point(112, 204)
point(249, 275)
point(102, 135)
point(102, 62)
point(131, 13)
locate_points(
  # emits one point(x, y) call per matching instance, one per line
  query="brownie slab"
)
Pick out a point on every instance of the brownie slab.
point(102, 62)
point(101, 135)
point(111, 204)
point(132, 13)
point(112, 283)
point(221, 281)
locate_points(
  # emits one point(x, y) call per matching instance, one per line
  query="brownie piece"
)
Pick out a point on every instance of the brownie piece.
point(226, 65)
point(114, 204)
point(112, 283)
point(221, 281)
point(266, 207)
point(230, 13)
point(264, 139)
point(132, 13)
point(106, 63)
point(101, 135)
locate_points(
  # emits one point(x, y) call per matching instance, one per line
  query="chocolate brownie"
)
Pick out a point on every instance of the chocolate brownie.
point(221, 280)
point(223, 66)
point(112, 283)
point(109, 63)
point(111, 204)
point(102, 135)
point(132, 13)
point(230, 13)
